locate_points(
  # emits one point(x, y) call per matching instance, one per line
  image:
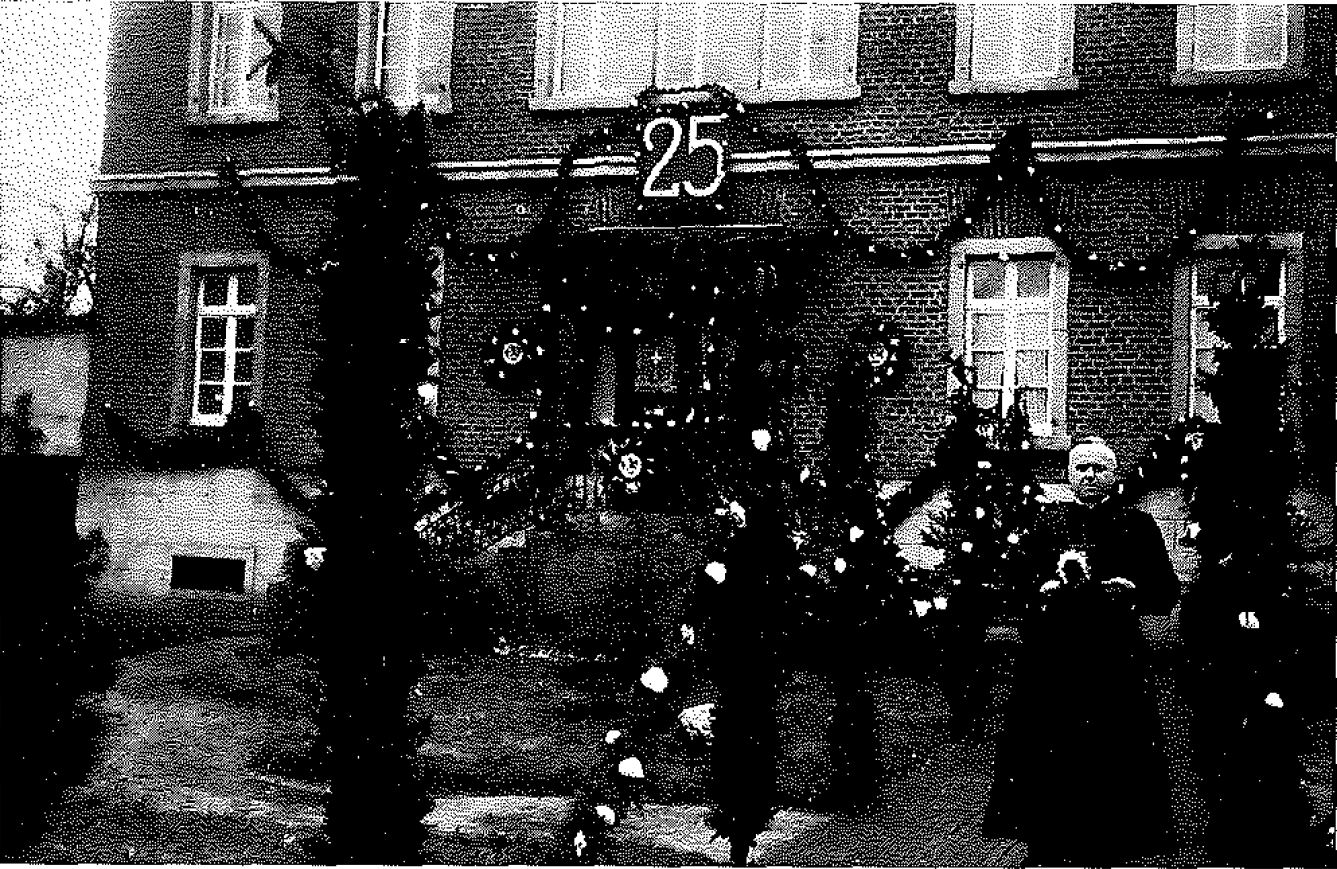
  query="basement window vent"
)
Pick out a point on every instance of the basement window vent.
point(199, 573)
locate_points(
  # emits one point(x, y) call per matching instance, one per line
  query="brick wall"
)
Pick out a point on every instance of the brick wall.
point(1124, 56)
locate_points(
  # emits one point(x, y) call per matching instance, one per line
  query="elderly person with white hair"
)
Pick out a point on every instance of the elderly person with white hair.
point(1080, 773)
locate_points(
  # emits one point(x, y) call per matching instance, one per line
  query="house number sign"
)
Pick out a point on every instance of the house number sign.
point(677, 161)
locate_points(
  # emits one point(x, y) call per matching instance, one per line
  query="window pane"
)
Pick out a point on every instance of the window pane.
point(989, 399)
point(991, 43)
point(1203, 336)
point(1035, 402)
point(243, 370)
point(213, 288)
point(1033, 329)
point(1033, 368)
point(213, 332)
point(1214, 39)
point(240, 396)
point(245, 333)
point(1033, 278)
point(577, 47)
point(1036, 40)
point(246, 288)
point(211, 365)
point(986, 331)
point(627, 37)
point(986, 278)
point(677, 45)
point(988, 369)
point(784, 22)
point(655, 364)
point(731, 44)
point(1264, 36)
point(211, 398)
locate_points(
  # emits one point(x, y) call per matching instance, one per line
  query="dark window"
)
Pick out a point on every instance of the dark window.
point(199, 573)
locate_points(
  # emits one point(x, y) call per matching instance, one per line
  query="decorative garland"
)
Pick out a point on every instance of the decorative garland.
point(878, 349)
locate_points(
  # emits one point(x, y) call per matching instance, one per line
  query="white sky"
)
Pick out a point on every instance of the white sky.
point(53, 58)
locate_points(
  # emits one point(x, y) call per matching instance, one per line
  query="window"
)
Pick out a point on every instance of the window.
point(1216, 266)
point(1009, 316)
point(206, 573)
point(405, 51)
point(220, 313)
point(602, 54)
point(229, 55)
point(1239, 42)
point(1017, 47)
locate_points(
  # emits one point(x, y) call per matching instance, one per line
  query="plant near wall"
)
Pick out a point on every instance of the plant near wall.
point(69, 272)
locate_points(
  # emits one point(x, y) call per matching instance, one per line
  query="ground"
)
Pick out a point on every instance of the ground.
point(206, 757)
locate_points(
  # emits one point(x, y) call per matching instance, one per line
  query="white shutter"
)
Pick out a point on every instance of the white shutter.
point(436, 48)
point(264, 97)
point(577, 49)
point(676, 66)
point(626, 48)
point(1214, 36)
point(1036, 29)
point(731, 45)
point(992, 41)
point(834, 42)
point(1263, 41)
point(782, 65)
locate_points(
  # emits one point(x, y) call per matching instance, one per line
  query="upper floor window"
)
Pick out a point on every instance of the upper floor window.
point(1238, 42)
point(229, 56)
point(1017, 47)
point(1215, 268)
point(1008, 315)
point(404, 51)
point(221, 306)
point(602, 54)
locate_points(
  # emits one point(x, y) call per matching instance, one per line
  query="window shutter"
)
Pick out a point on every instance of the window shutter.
point(676, 67)
point(782, 67)
point(577, 50)
point(627, 55)
point(992, 40)
point(1036, 29)
point(436, 49)
point(834, 42)
point(730, 36)
point(1264, 44)
point(264, 96)
point(1214, 36)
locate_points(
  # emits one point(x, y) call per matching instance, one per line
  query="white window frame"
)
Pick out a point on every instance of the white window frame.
point(965, 81)
point(549, 95)
point(370, 73)
point(205, 20)
point(1053, 432)
point(1188, 338)
point(191, 312)
point(1190, 72)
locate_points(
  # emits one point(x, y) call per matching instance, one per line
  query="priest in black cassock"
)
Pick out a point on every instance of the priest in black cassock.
point(1080, 774)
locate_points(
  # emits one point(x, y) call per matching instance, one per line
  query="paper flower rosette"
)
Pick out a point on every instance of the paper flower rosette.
point(627, 464)
point(879, 349)
point(511, 357)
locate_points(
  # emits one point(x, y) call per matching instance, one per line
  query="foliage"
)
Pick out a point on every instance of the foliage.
point(22, 437)
point(67, 272)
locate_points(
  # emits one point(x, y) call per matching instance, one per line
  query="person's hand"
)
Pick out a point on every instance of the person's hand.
point(1119, 583)
point(1050, 586)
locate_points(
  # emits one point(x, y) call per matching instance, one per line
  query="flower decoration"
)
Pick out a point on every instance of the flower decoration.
point(511, 358)
point(1072, 567)
point(631, 767)
point(655, 679)
point(698, 720)
point(879, 349)
point(606, 814)
point(315, 556)
point(627, 463)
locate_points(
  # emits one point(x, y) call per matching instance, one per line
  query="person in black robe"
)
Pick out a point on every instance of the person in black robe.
point(1080, 774)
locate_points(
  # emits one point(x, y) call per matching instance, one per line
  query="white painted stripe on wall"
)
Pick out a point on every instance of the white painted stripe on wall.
point(825, 159)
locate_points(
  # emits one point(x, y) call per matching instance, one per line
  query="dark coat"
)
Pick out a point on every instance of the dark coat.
point(1080, 771)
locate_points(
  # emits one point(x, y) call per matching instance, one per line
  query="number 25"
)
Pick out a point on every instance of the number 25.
point(694, 143)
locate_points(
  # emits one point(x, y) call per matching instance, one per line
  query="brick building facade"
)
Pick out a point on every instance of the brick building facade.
point(900, 108)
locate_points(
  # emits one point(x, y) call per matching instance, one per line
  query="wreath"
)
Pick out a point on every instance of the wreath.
point(626, 463)
point(878, 351)
point(512, 357)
